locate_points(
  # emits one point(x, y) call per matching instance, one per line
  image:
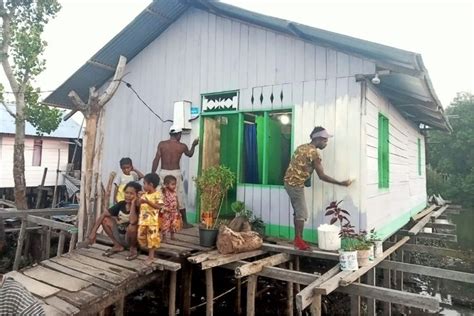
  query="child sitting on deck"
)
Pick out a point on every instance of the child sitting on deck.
point(148, 224)
point(119, 223)
point(171, 221)
point(128, 174)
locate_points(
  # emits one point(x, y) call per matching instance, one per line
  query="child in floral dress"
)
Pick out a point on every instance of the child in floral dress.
point(171, 220)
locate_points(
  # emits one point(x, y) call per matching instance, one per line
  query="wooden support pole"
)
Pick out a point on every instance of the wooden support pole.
point(371, 306)
point(238, 297)
point(355, 305)
point(297, 268)
point(19, 245)
point(47, 245)
point(223, 259)
point(251, 289)
point(61, 241)
point(209, 293)
point(39, 196)
point(187, 276)
point(27, 242)
point(72, 242)
point(120, 306)
point(387, 283)
point(290, 294)
point(55, 192)
point(257, 266)
point(172, 294)
point(316, 305)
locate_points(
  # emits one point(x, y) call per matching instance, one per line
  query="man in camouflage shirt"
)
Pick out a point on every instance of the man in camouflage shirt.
point(305, 159)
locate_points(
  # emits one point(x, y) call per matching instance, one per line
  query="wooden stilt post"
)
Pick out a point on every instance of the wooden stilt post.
point(40, 189)
point(187, 275)
point(355, 305)
point(316, 305)
point(209, 293)
point(290, 286)
point(27, 244)
point(371, 302)
point(172, 294)
point(120, 306)
point(19, 245)
point(72, 242)
point(238, 297)
point(251, 289)
point(387, 306)
point(47, 242)
point(61, 241)
point(297, 268)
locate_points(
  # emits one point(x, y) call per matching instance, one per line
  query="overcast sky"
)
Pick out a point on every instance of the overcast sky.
point(442, 31)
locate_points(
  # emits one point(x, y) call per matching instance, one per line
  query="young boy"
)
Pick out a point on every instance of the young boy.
point(129, 173)
point(148, 223)
point(171, 221)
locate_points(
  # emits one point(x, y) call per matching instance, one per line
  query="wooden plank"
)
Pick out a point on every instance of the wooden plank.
point(51, 310)
point(332, 284)
point(134, 265)
point(423, 213)
point(429, 271)
point(392, 296)
point(437, 251)
point(348, 279)
point(292, 251)
point(316, 305)
point(17, 229)
point(419, 226)
point(56, 279)
point(101, 265)
point(371, 305)
point(13, 212)
point(62, 305)
point(438, 236)
point(37, 288)
point(448, 226)
point(200, 257)
point(83, 298)
point(101, 273)
point(223, 259)
point(50, 223)
point(305, 297)
point(439, 212)
point(257, 266)
point(83, 276)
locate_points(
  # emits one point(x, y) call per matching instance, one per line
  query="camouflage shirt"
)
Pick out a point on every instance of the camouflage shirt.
point(301, 165)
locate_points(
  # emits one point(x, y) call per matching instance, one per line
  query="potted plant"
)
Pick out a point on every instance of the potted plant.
point(376, 242)
point(256, 222)
point(364, 248)
point(348, 251)
point(328, 235)
point(212, 186)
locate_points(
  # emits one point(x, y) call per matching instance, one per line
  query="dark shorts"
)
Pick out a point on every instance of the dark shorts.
point(120, 233)
point(298, 202)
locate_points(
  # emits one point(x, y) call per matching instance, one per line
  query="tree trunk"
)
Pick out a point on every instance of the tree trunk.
point(19, 154)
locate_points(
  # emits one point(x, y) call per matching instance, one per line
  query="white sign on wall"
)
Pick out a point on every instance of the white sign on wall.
point(217, 102)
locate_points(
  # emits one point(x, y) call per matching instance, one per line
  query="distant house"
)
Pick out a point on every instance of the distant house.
point(40, 151)
point(260, 84)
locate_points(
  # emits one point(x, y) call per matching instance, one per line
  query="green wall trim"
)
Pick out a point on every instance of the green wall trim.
point(287, 232)
point(391, 227)
point(250, 185)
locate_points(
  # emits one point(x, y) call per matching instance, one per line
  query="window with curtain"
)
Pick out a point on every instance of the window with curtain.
point(37, 152)
point(266, 148)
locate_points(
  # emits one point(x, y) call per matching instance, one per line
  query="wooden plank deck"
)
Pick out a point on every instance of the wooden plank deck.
point(84, 281)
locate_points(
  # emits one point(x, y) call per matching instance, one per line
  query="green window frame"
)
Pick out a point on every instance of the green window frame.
point(419, 157)
point(383, 152)
point(266, 158)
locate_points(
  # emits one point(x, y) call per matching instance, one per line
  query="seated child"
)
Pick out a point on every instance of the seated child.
point(171, 221)
point(148, 224)
point(119, 223)
point(129, 173)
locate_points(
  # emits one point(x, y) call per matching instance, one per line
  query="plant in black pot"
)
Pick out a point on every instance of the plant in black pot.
point(212, 185)
point(245, 219)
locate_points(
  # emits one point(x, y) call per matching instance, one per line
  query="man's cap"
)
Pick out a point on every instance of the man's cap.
point(175, 130)
point(322, 133)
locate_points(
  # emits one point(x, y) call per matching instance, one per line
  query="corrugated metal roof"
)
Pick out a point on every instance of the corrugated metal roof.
point(408, 85)
point(66, 129)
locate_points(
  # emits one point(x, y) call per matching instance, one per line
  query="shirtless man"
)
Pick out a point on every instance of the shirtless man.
point(170, 152)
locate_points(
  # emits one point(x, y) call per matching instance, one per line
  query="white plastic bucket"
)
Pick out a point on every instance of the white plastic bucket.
point(378, 248)
point(348, 260)
point(328, 237)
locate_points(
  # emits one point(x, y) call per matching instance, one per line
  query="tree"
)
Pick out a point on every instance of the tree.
point(451, 156)
point(23, 23)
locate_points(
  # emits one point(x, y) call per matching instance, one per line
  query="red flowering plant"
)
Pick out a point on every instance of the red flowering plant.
point(337, 213)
